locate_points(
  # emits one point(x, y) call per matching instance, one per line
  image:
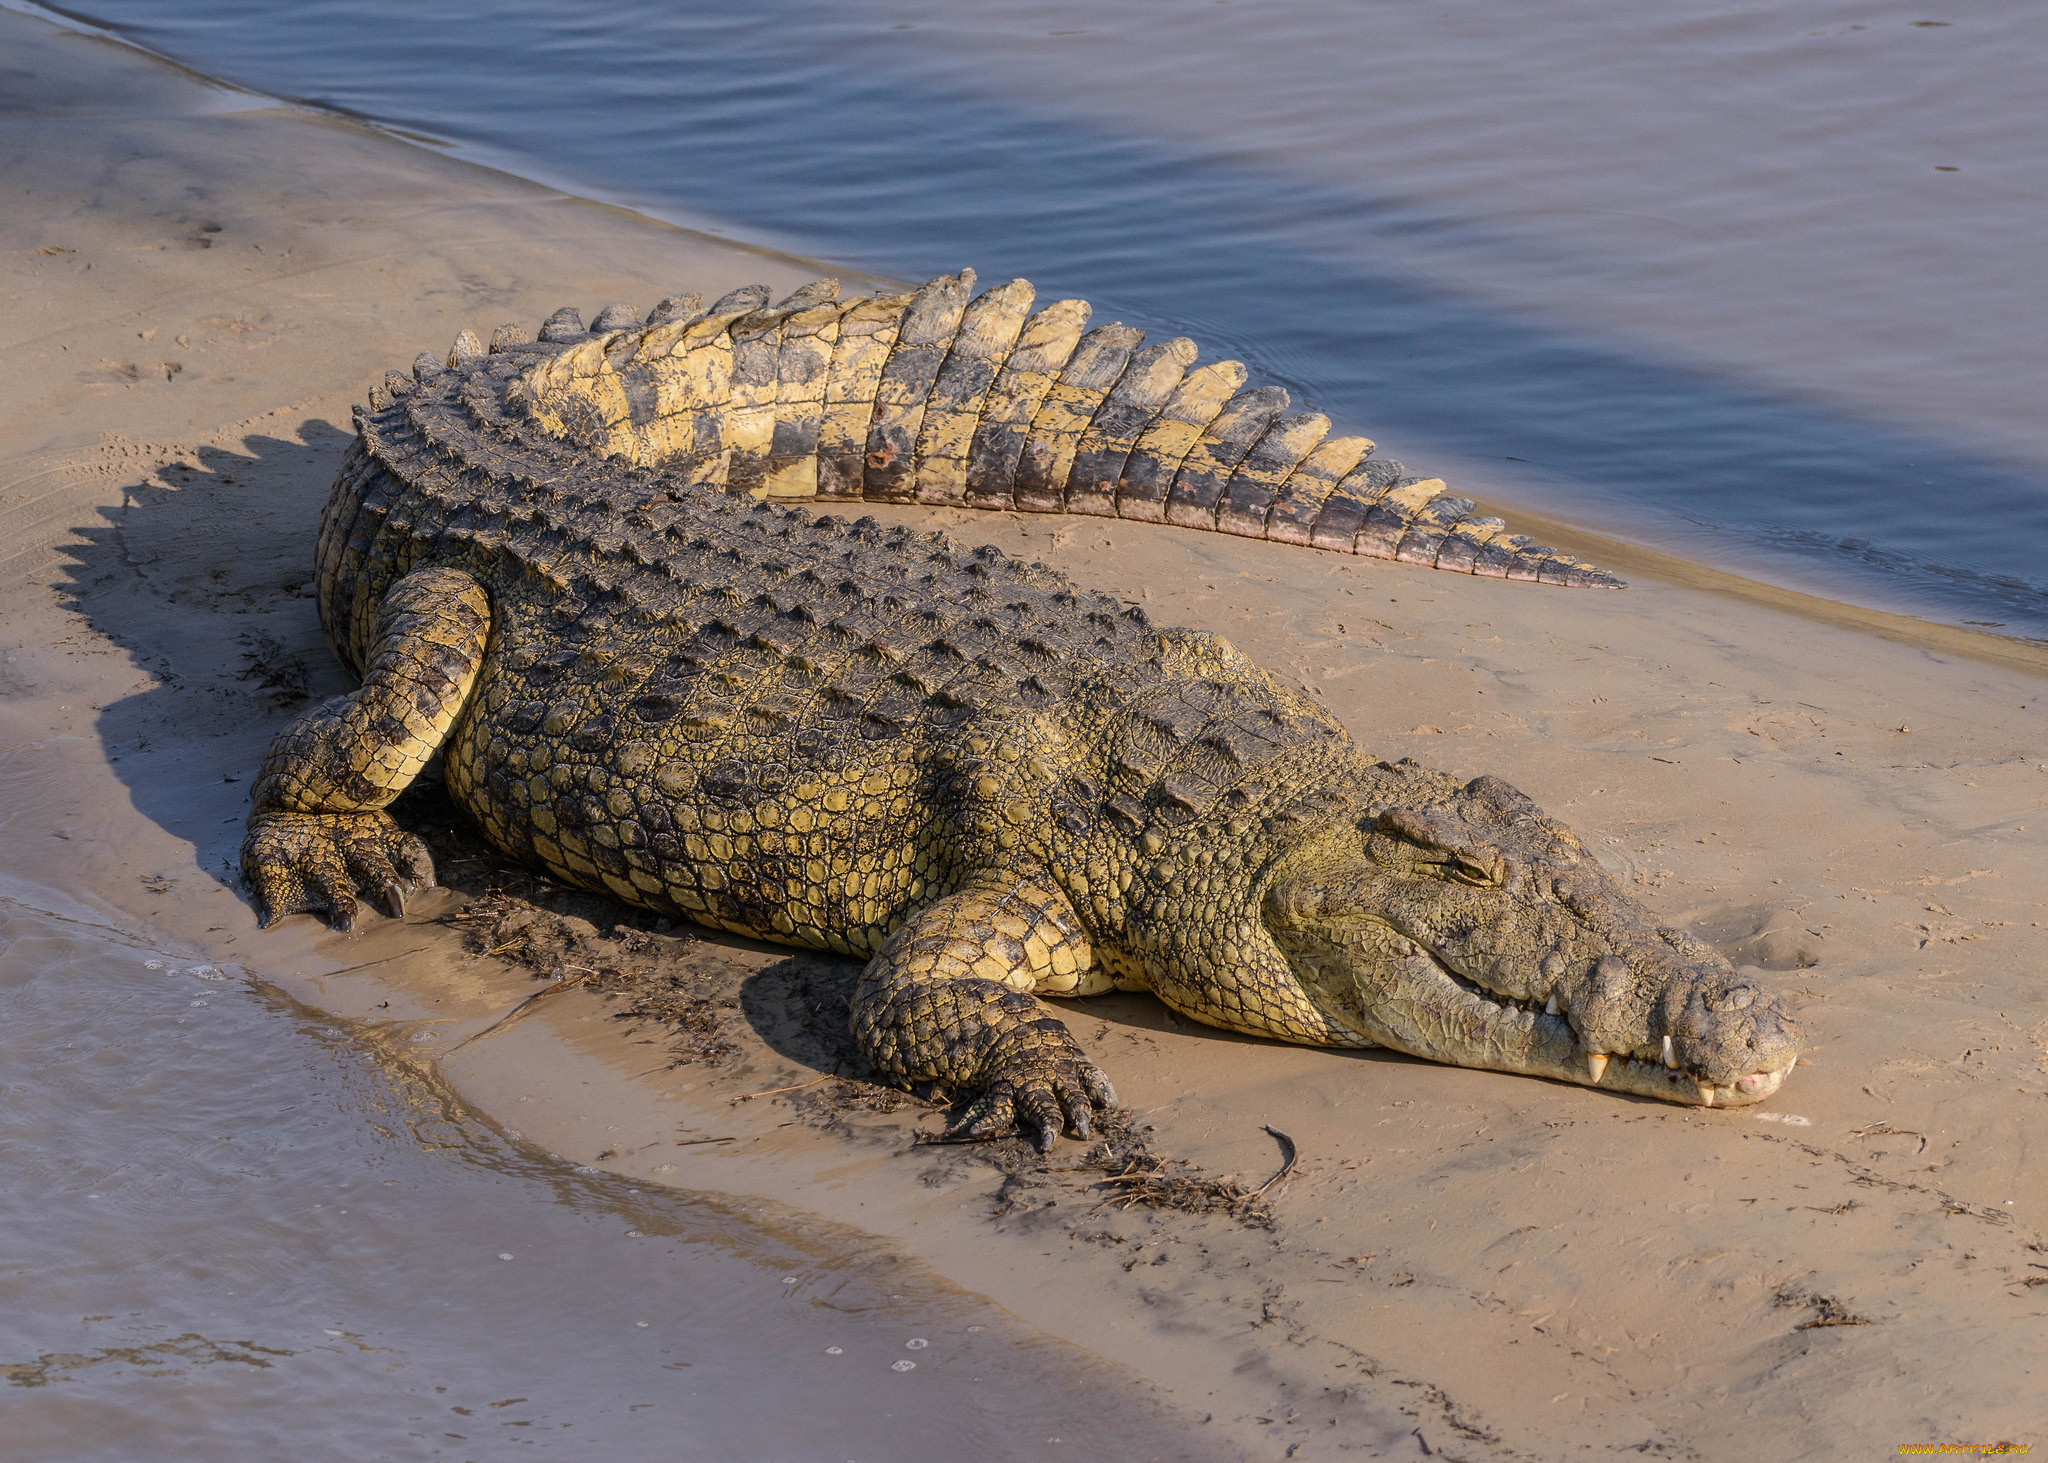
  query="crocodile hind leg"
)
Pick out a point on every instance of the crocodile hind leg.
point(318, 833)
point(948, 1000)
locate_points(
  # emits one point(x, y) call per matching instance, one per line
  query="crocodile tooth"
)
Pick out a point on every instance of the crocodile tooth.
point(1550, 1006)
point(1596, 1062)
point(1670, 1057)
point(1706, 1093)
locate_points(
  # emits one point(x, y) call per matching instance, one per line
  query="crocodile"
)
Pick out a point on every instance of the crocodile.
point(574, 567)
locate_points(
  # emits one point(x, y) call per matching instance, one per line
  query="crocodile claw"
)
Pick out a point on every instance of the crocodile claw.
point(1035, 1078)
point(325, 863)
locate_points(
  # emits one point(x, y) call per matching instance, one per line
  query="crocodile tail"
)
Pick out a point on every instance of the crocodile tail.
point(941, 396)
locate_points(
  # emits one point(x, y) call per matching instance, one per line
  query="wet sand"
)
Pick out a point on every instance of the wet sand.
point(1459, 1262)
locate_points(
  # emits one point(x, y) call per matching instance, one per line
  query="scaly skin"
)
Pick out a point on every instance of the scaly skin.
point(949, 763)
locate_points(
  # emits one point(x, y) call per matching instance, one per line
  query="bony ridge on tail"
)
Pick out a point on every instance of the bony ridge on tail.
point(572, 565)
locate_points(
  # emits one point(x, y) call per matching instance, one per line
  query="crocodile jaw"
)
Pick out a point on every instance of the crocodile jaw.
point(1390, 991)
point(1463, 925)
point(1654, 1079)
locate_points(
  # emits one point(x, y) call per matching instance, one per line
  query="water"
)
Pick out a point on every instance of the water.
point(1755, 284)
point(236, 1231)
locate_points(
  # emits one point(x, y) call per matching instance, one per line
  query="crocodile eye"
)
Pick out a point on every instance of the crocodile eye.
point(1465, 871)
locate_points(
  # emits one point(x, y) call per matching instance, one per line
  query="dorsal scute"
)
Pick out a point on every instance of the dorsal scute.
point(945, 397)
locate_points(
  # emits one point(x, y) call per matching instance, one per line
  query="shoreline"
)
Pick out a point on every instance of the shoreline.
point(1733, 750)
point(1637, 555)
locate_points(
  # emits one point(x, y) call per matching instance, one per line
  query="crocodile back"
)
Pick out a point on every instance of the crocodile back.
point(939, 396)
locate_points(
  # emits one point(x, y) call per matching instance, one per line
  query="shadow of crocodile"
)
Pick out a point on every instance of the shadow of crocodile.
point(202, 573)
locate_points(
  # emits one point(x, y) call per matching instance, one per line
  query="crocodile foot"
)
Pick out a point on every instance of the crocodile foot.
point(322, 862)
point(1035, 1077)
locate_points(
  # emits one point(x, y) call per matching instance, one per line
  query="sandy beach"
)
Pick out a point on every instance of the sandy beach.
point(199, 286)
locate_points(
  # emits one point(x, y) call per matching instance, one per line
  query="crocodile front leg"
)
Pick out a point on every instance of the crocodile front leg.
point(948, 1000)
point(318, 833)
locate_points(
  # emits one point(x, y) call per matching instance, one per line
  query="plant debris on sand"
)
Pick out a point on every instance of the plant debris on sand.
point(1158, 1183)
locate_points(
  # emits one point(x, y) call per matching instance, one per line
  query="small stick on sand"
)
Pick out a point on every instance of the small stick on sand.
point(749, 1096)
point(368, 963)
point(1288, 1154)
point(516, 1011)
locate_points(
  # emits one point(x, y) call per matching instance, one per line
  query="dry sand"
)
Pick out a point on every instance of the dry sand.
point(196, 288)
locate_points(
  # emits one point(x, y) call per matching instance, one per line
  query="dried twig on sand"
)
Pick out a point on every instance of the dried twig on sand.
point(1158, 1183)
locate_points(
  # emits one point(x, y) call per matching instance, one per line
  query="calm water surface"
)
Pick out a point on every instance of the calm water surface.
point(1759, 284)
point(236, 1231)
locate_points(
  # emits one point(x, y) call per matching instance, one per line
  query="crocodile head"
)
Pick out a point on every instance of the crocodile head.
point(1467, 927)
